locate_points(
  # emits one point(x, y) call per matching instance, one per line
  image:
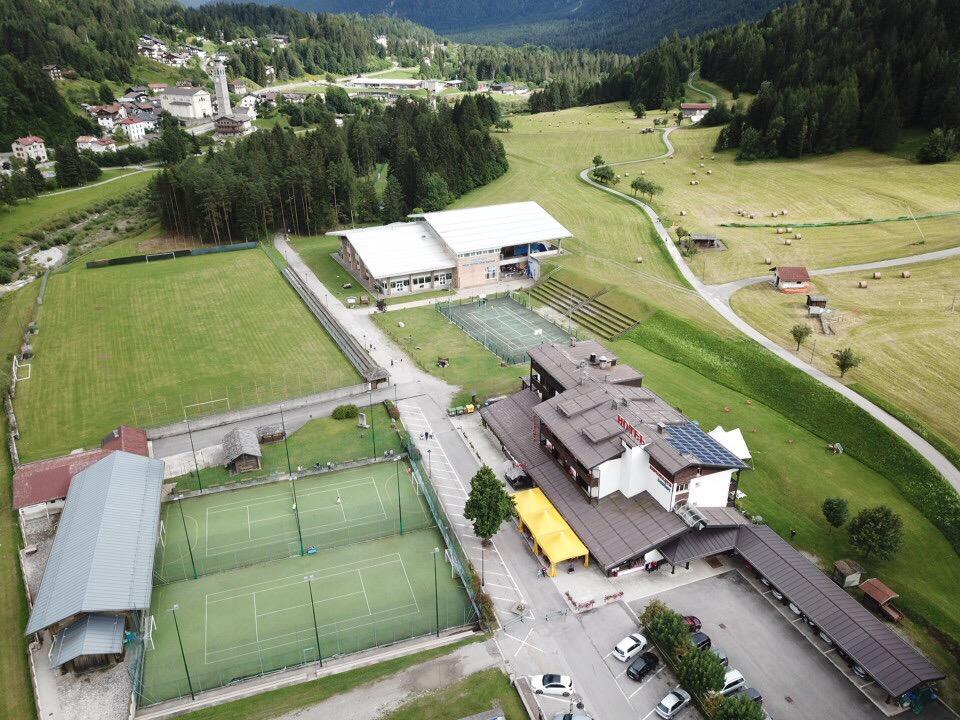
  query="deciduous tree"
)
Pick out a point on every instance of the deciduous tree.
point(488, 504)
point(836, 511)
point(800, 332)
point(877, 531)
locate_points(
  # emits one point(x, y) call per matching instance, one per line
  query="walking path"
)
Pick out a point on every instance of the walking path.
point(718, 297)
point(136, 170)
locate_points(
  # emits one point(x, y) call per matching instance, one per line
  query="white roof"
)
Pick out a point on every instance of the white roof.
point(495, 226)
point(398, 249)
point(732, 440)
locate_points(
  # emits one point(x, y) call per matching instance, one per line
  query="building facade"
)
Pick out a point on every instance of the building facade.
point(30, 147)
point(187, 103)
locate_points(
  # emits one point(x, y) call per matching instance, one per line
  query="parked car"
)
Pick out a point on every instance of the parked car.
point(631, 646)
point(675, 701)
point(825, 638)
point(642, 666)
point(777, 594)
point(693, 623)
point(859, 671)
point(794, 609)
point(700, 640)
point(518, 479)
point(724, 660)
point(751, 693)
point(765, 581)
point(733, 680)
point(552, 684)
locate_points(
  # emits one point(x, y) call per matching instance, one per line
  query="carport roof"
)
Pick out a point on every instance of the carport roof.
point(894, 664)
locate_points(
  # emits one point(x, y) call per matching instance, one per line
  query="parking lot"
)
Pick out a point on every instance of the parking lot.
point(765, 642)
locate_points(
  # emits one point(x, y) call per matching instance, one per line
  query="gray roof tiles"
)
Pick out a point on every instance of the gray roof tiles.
point(102, 555)
point(240, 441)
point(562, 361)
point(90, 635)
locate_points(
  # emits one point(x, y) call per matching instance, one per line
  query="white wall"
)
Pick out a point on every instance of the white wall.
point(710, 490)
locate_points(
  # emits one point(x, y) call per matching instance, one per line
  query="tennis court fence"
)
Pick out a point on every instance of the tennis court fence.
point(510, 353)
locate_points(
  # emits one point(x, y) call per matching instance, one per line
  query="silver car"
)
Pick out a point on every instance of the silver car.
point(675, 701)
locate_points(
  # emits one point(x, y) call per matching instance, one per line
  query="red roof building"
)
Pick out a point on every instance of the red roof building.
point(48, 480)
point(791, 278)
point(695, 106)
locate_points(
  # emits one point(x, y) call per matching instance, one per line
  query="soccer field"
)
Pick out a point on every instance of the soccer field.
point(143, 344)
point(344, 595)
point(237, 528)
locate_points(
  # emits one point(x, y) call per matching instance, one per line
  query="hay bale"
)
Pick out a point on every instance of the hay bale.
point(797, 236)
point(783, 212)
point(713, 157)
point(639, 258)
point(643, 172)
point(788, 241)
point(877, 275)
point(682, 213)
point(862, 284)
point(701, 157)
point(789, 229)
point(779, 231)
point(702, 165)
point(905, 274)
point(768, 261)
point(773, 214)
point(751, 216)
point(709, 172)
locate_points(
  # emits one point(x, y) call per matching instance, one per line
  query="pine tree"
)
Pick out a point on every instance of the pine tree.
point(394, 206)
point(68, 167)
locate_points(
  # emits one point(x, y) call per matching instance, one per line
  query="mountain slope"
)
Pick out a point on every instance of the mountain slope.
point(626, 26)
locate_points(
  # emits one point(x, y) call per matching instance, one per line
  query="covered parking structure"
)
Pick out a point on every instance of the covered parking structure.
point(550, 532)
point(885, 657)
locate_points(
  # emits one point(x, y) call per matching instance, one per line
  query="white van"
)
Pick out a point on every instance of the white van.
point(733, 680)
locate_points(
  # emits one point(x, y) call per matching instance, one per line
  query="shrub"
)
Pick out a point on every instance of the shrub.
point(392, 410)
point(670, 633)
point(345, 412)
point(700, 671)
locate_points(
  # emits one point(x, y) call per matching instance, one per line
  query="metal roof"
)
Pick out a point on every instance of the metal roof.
point(90, 635)
point(401, 248)
point(887, 658)
point(495, 226)
point(240, 441)
point(102, 555)
point(563, 362)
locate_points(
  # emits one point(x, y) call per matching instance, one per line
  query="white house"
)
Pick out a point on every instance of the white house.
point(30, 147)
point(96, 145)
point(695, 111)
point(187, 103)
point(249, 101)
point(134, 129)
point(107, 116)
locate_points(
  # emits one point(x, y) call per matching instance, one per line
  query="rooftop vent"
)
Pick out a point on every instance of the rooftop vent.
point(691, 516)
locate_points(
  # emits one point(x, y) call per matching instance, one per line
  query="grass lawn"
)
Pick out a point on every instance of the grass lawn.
point(322, 440)
point(269, 122)
point(793, 473)
point(272, 704)
point(852, 185)
point(395, 73)
point(899, 326)
point(315, 251)
point(546, 152)
point(474, 694)
point(129, 344)
point(472, 367)
point(16, 692)
point(32, 214)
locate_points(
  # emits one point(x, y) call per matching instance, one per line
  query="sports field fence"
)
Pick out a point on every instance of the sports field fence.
point(510, 343)
point(174, 561)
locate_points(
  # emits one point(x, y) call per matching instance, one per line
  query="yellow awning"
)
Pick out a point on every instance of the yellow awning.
point(550, 531)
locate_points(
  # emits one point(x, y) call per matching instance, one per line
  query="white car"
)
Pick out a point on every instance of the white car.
point(629, 647)
point(552, 685)
point(675, 701)
point(733, 680)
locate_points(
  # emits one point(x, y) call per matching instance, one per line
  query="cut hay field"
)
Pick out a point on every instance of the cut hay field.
point(853, 185)
point(129, 344)
point(901, 327)
point(546, 152)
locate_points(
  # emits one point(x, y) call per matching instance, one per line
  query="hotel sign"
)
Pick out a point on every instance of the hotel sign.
point(622, 422)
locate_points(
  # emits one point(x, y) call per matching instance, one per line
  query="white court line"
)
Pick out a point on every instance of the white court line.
point(364, 588)
point(230, 548)
point(306, 604)
point(256, 622)
point(249, 527)
point(412, 593)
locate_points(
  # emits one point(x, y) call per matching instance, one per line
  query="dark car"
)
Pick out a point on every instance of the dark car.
point(751, 693)
point(643, 665)
point(700, 640)
point(693, 623)
point(518, 478)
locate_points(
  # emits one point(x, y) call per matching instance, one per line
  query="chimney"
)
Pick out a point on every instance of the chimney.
point(661, 426)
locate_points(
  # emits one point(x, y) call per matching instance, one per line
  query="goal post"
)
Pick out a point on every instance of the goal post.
point(192, 411)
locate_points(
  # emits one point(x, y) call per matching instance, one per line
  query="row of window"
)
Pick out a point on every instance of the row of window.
point(477, 252)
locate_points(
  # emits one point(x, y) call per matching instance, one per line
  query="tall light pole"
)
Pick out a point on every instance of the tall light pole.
point(430, 463)
point(436, 588)
point(193, 450)
point(399, 502)
point(186, 536)
point(183, 655)
point(313, 609)
point(293, 480)
point(373, 425)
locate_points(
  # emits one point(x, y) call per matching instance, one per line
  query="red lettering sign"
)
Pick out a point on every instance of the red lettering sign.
point(622, 422)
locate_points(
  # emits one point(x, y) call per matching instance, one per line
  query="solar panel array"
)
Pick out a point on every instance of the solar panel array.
point(689, 439)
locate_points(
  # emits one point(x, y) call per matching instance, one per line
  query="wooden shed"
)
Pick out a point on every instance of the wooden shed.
point(846, 573)
point(241, 451)
point(878, 597)
point(267, 434)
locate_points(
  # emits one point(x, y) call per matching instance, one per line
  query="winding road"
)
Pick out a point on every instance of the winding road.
point(718, 297)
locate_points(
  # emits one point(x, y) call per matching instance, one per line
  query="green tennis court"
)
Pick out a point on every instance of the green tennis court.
point(259, 619)
point(503, 325)
point(236, 528)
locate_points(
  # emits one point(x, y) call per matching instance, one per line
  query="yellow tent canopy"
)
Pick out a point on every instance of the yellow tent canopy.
point(551, 534)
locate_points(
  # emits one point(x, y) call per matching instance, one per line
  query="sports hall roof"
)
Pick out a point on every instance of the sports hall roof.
point(102, 555)
point(494, 226)
point(402, 248)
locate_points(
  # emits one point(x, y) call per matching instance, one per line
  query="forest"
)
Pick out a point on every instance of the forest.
point(827, 75)
point(315, 181)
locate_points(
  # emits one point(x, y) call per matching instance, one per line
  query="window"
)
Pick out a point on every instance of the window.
point(492, 273)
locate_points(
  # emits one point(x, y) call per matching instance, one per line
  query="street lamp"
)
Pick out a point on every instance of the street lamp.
point(430, 463)
point(183, 655)
point(436, 588)
point(308, 579)
point(373, 424)
point(186, 536)
point(399, 501)
point(193, 450)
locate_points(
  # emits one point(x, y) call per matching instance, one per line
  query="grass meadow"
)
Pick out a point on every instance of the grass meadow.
point(852, 185)
point(899, 326)
point(31, 214)
point(131, 344)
